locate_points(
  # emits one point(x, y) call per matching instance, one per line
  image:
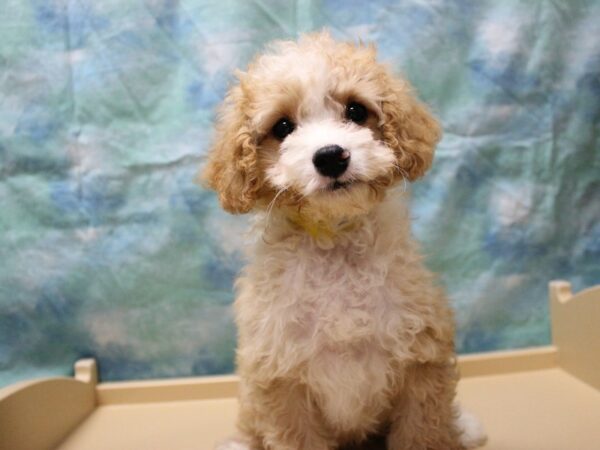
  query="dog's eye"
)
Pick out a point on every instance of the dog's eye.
point(282, 128)
point(356, 112)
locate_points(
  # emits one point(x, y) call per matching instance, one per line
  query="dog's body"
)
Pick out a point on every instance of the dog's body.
point(343, 332)
point(340, 329)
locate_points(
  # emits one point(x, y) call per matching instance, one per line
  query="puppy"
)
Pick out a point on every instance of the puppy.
point(343, 333)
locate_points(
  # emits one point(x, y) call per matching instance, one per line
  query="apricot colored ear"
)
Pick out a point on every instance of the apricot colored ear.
point(231, 169)
point(410, 129)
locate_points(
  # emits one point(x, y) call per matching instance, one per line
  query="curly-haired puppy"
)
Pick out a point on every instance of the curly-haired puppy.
point(343, 333)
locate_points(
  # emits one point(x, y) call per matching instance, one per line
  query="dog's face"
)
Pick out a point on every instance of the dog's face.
point(318, 122)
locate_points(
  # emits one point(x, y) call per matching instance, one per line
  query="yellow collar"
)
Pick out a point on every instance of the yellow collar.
point(320, 228)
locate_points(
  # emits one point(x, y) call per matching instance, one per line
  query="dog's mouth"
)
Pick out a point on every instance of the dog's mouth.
point(336, 185)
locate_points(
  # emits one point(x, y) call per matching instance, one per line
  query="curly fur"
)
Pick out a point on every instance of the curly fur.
point(343, 332)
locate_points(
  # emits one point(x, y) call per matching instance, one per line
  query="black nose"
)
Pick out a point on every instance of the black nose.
point(331, 161)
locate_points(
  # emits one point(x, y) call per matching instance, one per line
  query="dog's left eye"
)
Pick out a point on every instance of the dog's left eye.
point(356, 112)
point(282, 128)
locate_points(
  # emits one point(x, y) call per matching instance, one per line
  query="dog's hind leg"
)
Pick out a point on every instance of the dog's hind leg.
point(425, 417)
point(233, 443)
point(472, 433)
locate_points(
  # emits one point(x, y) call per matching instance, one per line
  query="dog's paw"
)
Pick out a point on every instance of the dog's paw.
point(472, 433)
point(232, 444)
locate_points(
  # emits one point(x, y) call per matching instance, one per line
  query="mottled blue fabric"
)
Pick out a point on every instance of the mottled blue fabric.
point(108, 248)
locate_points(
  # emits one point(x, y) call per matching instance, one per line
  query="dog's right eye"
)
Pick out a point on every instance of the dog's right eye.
point(283, 127)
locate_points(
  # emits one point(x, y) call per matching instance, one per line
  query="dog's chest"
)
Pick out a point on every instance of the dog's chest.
point(335, 296)
point(337, 306)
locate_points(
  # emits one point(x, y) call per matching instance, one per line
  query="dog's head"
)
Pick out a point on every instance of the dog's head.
point(317, 122)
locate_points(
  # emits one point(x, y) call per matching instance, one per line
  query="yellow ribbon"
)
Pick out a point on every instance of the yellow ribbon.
point(320, 228)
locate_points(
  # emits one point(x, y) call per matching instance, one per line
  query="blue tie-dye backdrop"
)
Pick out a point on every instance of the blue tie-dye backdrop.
point(107, 248)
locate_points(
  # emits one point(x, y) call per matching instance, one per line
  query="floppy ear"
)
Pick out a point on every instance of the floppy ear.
point(409, 129)
point(231, 169)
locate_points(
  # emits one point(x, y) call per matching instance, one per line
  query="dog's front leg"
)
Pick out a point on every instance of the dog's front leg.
point(280, 416)
point(424, 417)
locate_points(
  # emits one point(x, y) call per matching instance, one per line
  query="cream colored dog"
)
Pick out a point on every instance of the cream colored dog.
point(343, 333)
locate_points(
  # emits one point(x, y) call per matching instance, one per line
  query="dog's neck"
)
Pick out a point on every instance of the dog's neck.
point(328, 230)
point(322, 228)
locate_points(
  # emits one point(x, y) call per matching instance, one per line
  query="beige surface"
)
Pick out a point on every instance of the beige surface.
point(174, 389)
point(188, 425)
point(37, 415)
point(538, 410)
point(541, 410)
point(509, 361)
point(576, 330)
